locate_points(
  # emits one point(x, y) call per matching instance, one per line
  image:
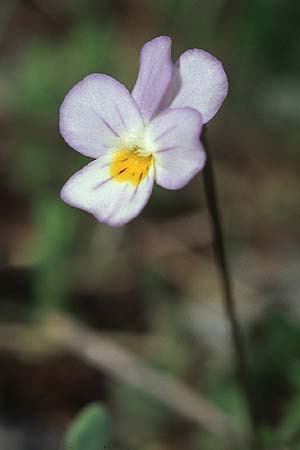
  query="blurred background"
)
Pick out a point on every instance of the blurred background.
point(151, 287)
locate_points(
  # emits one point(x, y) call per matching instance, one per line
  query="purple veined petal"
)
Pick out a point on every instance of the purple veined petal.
point(95, 113)
point(199, 82)
point(178, 152)
point(156, 69)
point(114, 203)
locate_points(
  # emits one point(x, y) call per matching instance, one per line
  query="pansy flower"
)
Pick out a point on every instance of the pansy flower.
point(152, 134)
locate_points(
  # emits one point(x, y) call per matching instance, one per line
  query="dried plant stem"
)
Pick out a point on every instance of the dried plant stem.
point(61, 333)
point(229, 303)
point(122, 364)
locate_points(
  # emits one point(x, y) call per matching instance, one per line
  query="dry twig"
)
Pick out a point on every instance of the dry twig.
point(63, 333)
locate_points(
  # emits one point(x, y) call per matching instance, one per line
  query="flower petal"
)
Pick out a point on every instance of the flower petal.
point(95, 112)
point(156, 69)
point(178, 152)
point(114, 203)
point(199, 82)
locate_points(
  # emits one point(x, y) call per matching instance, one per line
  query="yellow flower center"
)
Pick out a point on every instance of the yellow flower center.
point(129, 165)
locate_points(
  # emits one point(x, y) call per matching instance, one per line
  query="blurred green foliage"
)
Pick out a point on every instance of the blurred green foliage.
point(90, 430)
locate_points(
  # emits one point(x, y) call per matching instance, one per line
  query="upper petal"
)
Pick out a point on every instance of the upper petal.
point(114, 203)
point(156, 69)
point(199, 81)
point(94, 114)
point(177, 150)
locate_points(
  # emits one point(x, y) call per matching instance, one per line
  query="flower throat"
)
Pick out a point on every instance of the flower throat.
point(128, 165)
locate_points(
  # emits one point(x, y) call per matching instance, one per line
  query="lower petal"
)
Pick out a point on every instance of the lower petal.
point(112, 202)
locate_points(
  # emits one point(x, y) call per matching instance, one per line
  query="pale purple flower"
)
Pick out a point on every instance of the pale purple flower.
point(149, 135)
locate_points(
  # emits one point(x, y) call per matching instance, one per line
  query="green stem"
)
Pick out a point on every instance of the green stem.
point(229, 303)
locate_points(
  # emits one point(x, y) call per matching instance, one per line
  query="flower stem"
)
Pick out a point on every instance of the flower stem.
point(229, 303)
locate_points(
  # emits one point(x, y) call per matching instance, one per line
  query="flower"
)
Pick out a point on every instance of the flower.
point(149, 135)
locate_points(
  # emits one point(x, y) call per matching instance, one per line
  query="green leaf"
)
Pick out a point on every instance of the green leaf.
point(90, 430)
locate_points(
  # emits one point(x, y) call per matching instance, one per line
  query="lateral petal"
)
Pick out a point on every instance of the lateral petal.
point(177, 150)
point(95, 113)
